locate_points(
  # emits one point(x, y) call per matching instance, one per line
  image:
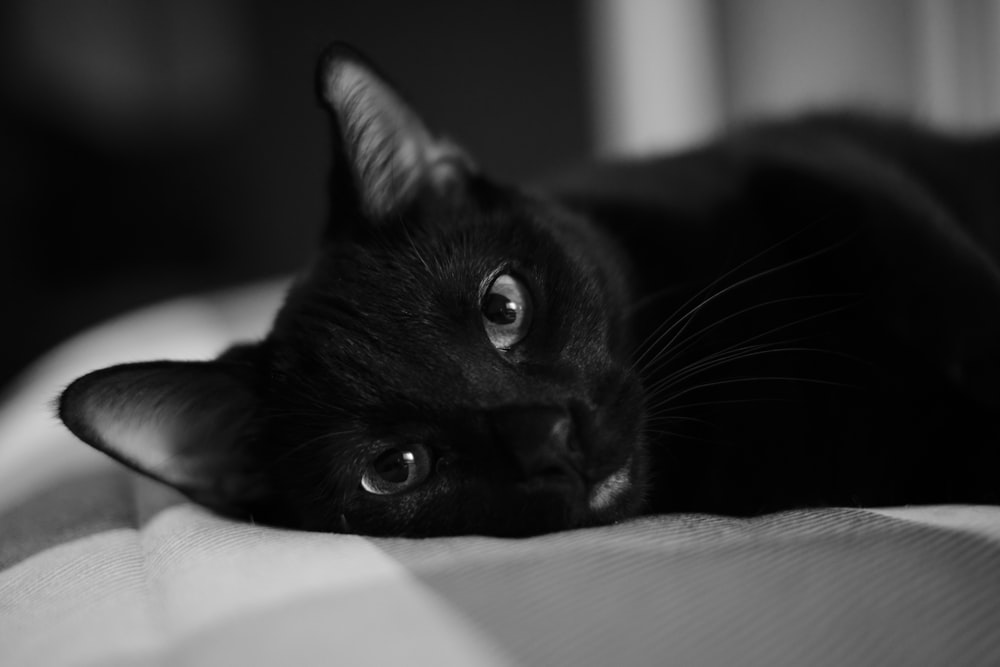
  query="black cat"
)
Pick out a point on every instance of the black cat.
point(803, 313)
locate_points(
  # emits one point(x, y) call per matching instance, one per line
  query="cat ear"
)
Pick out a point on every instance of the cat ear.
point(182, 423)
point(390, 154)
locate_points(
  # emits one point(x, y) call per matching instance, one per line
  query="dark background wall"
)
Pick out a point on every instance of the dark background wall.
point(160, 147)
point(156, 148)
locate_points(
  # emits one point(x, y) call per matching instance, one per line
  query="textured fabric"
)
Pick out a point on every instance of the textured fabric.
point(154, 580)
point(99, 567)
point(835, 587)
point(191, 589)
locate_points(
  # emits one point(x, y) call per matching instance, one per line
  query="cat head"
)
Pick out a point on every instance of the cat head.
point(452, 361)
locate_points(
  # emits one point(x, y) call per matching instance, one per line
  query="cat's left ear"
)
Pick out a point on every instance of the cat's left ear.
point(186, 424)
point(390, 154)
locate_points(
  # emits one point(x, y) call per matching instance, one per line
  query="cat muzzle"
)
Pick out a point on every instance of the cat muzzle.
point(540, 439)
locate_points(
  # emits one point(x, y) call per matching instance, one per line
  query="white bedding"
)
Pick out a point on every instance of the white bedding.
point(99, 567)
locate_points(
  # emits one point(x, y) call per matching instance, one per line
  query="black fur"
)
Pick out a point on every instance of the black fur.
point(802, 313)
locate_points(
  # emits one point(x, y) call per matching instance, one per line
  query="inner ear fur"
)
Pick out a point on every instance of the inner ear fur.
point(187, 424)
point(387, 151)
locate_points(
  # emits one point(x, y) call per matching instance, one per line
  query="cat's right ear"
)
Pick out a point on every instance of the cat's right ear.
point(385, 156)
point(186, 424)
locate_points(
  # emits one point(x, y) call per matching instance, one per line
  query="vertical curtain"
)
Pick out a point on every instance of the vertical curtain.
point(654, 72)
point(669, 73)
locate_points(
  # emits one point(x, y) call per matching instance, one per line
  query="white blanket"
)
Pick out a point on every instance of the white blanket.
point(100, 567)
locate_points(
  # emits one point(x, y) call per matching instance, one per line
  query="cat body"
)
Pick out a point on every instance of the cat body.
point(872, 246)
point(803, 313)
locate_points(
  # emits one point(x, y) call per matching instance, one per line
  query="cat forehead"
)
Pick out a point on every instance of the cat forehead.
point(404, 316)
point(375, 303)
point(439, 254)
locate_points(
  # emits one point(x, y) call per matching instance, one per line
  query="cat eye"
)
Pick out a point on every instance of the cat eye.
point(396, 469)
point(506, 312)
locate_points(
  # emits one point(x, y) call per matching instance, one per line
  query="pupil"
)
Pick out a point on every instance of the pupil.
point(499, 309)
point(394, 466)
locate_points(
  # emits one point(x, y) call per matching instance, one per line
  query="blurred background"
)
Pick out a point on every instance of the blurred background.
point(154, 148)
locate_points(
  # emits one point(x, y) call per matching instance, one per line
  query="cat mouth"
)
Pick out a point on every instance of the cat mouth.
point(566, 480)
point(586, 496)
point(573, 498)
point(602, 493)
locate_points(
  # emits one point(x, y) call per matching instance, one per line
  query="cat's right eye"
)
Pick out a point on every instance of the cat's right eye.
point(396, 469)
point(506, 311)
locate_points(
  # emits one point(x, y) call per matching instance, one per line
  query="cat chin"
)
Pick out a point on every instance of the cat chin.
point(573, 503)
point(605, 493)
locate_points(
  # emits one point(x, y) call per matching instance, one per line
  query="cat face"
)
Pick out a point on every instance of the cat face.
point(454, 360)
point(457, 374)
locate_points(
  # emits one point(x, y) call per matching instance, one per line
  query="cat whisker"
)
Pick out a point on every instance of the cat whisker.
point(714, 360)
point(687, 317)
point(416, 251)
point(676, 434)
point(295, 449)
point(650, 299)
point(325, 414)
point(660, 293)
point(726, 352)
point(674, 418)
point(736, 355)
point(669, 410)
point(736, 380)
point(700, 293)
point(695, 337)
point(781, 327)
point(802, 320)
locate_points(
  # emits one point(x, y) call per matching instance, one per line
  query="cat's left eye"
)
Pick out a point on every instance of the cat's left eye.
point(396, 469)
point(507, 312)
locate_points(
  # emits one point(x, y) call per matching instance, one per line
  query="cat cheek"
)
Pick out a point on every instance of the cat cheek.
point(415, 513)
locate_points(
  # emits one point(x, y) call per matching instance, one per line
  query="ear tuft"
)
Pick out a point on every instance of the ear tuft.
point(390, 152)
point(185, 424)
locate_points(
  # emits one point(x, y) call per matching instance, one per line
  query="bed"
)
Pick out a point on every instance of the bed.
point(101, 567)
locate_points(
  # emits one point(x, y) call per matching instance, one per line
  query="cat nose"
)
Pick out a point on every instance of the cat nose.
point(540, 439)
